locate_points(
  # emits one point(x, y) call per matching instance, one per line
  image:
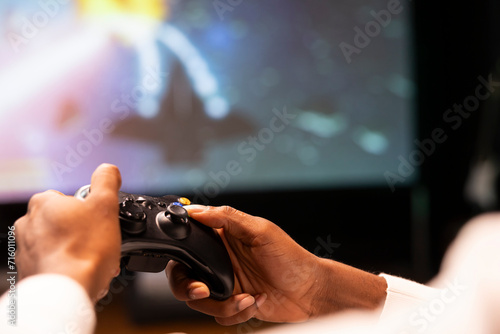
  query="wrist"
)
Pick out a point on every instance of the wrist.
point(84, 271)
point(343, 287)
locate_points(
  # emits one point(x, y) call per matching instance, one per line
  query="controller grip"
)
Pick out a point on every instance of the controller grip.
point(156, 230)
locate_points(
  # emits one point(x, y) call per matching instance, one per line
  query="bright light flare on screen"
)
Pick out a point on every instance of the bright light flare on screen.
point(155, 9)
point(29, 76)
point(130, 20)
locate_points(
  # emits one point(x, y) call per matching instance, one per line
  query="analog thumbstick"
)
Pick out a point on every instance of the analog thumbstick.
point(132, 217)
point(174, 222)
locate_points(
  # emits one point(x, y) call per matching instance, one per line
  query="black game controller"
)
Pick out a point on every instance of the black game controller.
point(156, 230)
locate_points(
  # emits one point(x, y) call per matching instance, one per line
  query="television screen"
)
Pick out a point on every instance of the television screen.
point(205, 97)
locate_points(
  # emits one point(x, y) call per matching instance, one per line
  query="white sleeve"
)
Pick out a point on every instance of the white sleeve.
point(404, 295)
point(46, 303)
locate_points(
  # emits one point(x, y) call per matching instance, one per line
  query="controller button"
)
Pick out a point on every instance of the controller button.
point(162, 204)
point(128, 199)
point(184, 201)
point(148, 204)
point(174, 222)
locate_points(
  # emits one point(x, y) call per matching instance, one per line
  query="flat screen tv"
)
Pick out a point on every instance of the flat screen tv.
point(206, 97)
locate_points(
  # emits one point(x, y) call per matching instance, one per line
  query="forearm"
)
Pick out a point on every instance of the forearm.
point(345, 287)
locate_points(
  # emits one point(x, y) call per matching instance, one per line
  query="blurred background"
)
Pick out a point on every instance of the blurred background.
point(365, 129)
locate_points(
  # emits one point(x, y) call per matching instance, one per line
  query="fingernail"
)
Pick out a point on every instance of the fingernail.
point(260, 299)
point(102, 294)
point(246, 302)
point(195, 208)
point(199, 293)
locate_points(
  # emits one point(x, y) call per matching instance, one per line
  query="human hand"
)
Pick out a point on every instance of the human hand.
point(275, 278)
point(80, 239)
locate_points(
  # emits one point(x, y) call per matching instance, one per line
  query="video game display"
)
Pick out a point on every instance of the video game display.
point(202, 97)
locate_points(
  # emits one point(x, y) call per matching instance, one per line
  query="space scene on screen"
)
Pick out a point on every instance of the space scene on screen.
point(180, 94)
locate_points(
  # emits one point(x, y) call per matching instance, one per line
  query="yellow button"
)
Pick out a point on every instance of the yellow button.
point(184, 201)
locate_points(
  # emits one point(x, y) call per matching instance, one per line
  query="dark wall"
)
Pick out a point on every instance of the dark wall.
point(454, 42)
